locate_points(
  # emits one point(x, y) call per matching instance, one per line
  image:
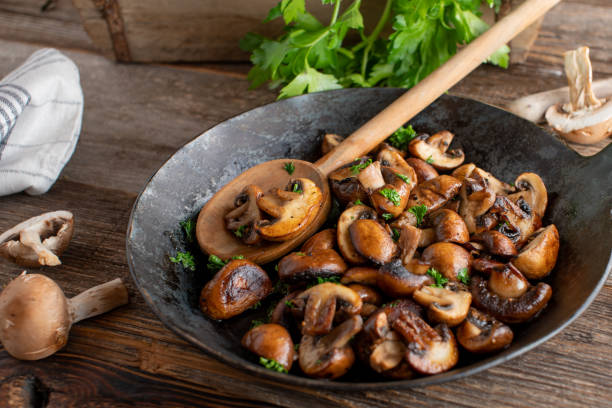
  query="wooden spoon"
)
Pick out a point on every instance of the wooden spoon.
point(215, 239)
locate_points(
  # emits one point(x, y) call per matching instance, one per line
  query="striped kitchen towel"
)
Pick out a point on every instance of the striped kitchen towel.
point(41, 108)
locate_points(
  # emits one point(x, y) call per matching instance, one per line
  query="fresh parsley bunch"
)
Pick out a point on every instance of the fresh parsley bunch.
point(312, 56)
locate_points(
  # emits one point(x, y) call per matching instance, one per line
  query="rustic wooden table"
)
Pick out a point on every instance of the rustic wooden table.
point(135, 117)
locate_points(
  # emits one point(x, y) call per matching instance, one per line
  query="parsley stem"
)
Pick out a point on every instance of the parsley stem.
point(374, 35)
point(336, 11)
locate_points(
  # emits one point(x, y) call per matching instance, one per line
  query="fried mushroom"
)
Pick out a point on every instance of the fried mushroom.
point(350, 215)
point(434, 149)
point(372, 241)
point(434, 193)
point(444, 305)
point(447, 258)
point(270, 341)
point(482, 333)
point(539, 256)
point(246, 215)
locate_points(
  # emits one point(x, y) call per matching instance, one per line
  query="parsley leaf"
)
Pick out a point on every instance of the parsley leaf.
point(358, 202)
point(401, 137)
point(189, 228)
point(186, 259)
point(405, 179)
point(289, 167)
point(391, 195)
point(358, 167)
point(419, 212)
point(387, 216)
point(240, 231)
point(440, 279)
point(332, 279)
point(214, 263)
point(464, 276)
point(256, 322)
point(297, 189)
point(396, 234)
point(429, 160)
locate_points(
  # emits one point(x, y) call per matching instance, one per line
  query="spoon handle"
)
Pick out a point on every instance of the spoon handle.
point(430, 88)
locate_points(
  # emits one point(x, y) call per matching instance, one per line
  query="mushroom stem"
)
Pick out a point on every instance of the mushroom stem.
point(31, 239)
point(97, 300)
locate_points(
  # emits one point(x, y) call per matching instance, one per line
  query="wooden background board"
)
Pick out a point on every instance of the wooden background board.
point(135, 117)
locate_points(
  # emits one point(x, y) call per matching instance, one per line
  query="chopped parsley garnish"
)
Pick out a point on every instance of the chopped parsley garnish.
point(464, 276)
point(186, 259)
point(296, 188)
point(358, 167)
point(440, 279)
point(240, 231)
point(289, 304)
point(387, 216)
point(296, 346)
point(391, 195)
point(300, 254)
point(358, 202)
point(502, 225)
point(419, 212)
point(289, 167)
point(272, 364)
point(401, 137)
point(256, 322)
point(332, 279)
point(256, 306)
point(406, 179)
point(281, 288)
point(396, 234)
point(236, 257)
point(188, 227)
point(429, 160)
point(215, 263)
point(392, 304)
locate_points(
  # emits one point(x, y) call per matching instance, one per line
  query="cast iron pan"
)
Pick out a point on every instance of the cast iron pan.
point(580, 203)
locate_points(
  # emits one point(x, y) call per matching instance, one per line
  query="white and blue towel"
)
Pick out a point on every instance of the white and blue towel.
point(41, 109)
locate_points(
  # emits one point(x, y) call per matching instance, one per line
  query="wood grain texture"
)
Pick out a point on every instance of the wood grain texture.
point(135, 118)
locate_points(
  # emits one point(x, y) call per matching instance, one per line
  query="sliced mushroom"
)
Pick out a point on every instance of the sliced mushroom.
point(360, 274)
point(434, 193)
point(246, 215)
point(434, 150)
point(39, 240)
point(392, 197)
point(482, 333)
point(321, 301)
point(449, 227)
point(372, 241)
point(329, 356)
point(510, 310)
point(350, 215)
point(515, 221)
point(301, 266)
point(507, 282)
point(291, 209)
point(539, 256)
point(397, 281)
point(236, 287)
point(444, 305)
point(447, 258)
point(345, 184)
point(532, 192)
point(325, 239)
point(271, 341)
point(496, 243)
point(330, 141)
point(424, 171)
point(430, 350)
point(476, 198)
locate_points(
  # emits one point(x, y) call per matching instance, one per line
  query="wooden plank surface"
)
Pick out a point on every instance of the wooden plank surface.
point(136, 116)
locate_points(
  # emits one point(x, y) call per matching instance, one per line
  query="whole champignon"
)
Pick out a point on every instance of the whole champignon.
point(448, 305)
point(539, 256)
point(246, 215)
point(239, 285)
point(325, 239)
point(330, 141)
point(510, 310)
point(424, 171)
point(434, 150)
point(531, 192)
point(392, 197)
point(330, 356)
point(496, 243)
point(397, 281)
point(301, 266)
point(321, 301)
point(447, 258)
point(39, 240)
point(270, 341)
point(586, 119)
point(350, 215)
point(481, 333)
point(430, 350)
point(36, 316)
point(476, 198)
point(507, 282)
point(372, 241)
point(346, 186)
point(449, 227)
point(292, 209)
point(434, 193)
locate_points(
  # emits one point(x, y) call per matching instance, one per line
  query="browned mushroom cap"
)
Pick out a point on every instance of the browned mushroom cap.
point(482, 333)
point(300, 266)
point(372, 241)
point(271, 341)
point(447, 258)
point(424, 171)
point(449, 227)
point(360, 274)
point(329, 356)
point(345, 185)
point(246, 215)
point(370, 297)
point(390, 157)
point(539, 256)
point(508, 282)
point(350, 215)
point(291, 208)
point(514, 221)
point(496, 243)
point(235, 288)
point(510, 310)
point(397, 281)
point(321, 301)
point(434, 193)
point(39, 240)
point(392, 197)
point(487, 265)
point(325, 239)
point(409, 240)
point(330, 141)
point(476, 198)
point(430, 350)
point(444, 304)
point(532, 192)
point(434, 149)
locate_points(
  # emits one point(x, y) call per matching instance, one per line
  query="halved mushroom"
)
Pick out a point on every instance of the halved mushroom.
point(325, 239)
point(424, 171)
point(392, 197)
point(291, 209)
point(434, 150)
point(301, 266)
point(239, 285)
point(510, 310)
point(397, 281)
point(345, 184)
point(391, 157)
point(445, 305)
point(447, 258)
point(482, 333)
point(449, 227)
point(39, 240)
point(515, 221)
point(539, 256)
point(430, 350)
point(321, 301)
point(496, 243)
point(350, 215)
point(507, 282)
point(586, 119)
point(372, 241)
point(330, 356)
point(434, 193)
point(532, 192)
point(330, 141)
point(360, 274)
point(271, 341)
point(246, 215)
